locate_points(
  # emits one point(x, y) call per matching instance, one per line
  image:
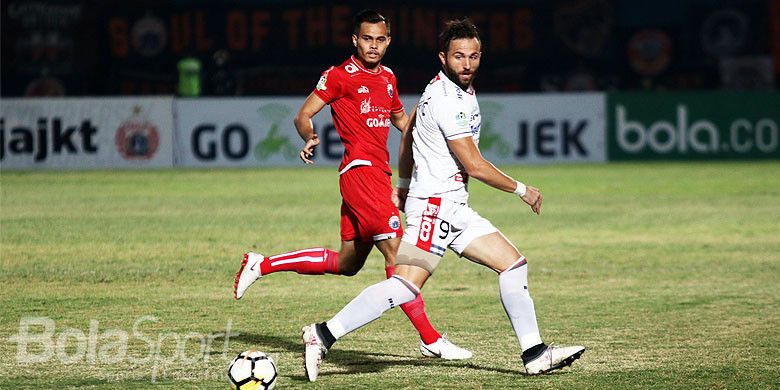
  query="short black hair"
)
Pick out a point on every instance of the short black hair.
point(370, 16)
point(457, 29)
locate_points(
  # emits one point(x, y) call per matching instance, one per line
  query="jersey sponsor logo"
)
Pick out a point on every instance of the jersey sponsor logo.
point(351, 68)
point(390, 90)
point(365, 106)
point(378, 122)
point(432, 207)
point(394, 222)
point(363, 89)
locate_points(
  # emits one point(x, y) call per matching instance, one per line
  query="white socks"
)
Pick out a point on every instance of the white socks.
point(513, 286)
point(371, 303)
point(395, 291)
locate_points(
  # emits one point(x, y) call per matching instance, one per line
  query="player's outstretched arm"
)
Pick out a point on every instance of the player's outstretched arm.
point(303, 124)
point(467, 152)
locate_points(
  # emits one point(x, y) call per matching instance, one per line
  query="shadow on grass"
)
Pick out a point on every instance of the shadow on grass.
point(358, 362)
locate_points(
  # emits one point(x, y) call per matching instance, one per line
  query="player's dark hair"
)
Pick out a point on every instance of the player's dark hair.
point(370, 16)
point(457, 29)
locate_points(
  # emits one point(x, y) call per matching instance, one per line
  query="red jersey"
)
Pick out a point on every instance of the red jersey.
point(361, 102)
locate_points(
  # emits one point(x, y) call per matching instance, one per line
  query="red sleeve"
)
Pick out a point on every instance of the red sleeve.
point(330, 85)
point(395, 104)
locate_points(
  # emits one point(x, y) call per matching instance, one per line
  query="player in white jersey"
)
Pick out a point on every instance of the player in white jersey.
point(445, 154)
point(451, 113)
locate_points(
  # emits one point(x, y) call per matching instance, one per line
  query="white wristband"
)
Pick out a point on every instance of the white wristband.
point(520, 190)
point(403, 182)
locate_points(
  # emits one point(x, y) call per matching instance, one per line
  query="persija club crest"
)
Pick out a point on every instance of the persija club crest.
point(137, 138)
point(394, 222)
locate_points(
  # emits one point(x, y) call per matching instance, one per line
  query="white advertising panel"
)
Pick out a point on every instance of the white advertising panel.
point(543, 128)
point(260, 132)
point(253, 132)
point(86, 133)
point(248, 132)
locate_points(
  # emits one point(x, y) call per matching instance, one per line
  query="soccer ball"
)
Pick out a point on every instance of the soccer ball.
point(252, 370)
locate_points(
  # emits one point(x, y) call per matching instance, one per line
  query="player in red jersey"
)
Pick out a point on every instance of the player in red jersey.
point(364, 102)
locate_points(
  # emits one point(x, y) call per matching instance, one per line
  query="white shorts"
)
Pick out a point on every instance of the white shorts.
point(434, 224)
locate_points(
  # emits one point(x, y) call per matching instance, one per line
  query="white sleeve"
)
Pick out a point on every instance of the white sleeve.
point(453, 118)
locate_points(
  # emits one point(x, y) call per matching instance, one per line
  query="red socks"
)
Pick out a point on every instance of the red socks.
point(313, 261)
point(318, 261)
point(415, 310)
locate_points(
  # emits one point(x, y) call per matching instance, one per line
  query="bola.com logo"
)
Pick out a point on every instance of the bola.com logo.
point(687, 135)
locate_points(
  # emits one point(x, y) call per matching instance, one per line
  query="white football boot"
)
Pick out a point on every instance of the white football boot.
point(444, 349)
point(314, 351)
point(554, 358)
point(247, 274)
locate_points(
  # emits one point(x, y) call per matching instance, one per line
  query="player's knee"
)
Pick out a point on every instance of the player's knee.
point(350, 270)
point(506, 266)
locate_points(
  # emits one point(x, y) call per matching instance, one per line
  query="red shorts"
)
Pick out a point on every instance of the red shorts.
point(367, 210)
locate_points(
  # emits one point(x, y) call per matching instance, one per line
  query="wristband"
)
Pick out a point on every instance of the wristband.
point(403, 182)
point(520, 190)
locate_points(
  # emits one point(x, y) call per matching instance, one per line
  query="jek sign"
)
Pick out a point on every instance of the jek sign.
point(694, 126)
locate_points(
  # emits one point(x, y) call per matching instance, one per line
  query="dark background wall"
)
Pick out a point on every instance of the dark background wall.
point(77, 48)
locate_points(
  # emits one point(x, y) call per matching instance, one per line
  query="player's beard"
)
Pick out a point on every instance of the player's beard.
point(456, 78)
point(371, 62)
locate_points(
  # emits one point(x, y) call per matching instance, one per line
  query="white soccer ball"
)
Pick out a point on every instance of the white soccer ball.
point(252, 370)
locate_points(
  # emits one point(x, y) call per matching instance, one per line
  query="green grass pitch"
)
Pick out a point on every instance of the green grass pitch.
point(669, 273)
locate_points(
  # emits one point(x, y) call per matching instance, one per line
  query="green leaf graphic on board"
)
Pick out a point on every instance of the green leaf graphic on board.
point(276, 140)
point(489, 139)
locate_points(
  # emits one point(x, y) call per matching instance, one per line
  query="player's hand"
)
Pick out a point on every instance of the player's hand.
point(533, 198)
point(308, 150)
point(399, 197)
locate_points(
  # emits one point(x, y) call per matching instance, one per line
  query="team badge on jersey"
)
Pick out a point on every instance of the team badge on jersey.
point(394, 222)
point(390, 89)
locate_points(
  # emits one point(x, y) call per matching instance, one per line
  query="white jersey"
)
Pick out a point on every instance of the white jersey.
point(445, 112)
